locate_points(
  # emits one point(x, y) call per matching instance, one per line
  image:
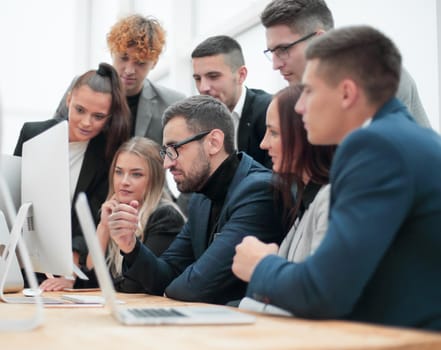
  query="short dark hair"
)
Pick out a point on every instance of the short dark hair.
point(221, 45)
point(302, 16)
point(364, 54)
point(313, 160)
point(201, 113)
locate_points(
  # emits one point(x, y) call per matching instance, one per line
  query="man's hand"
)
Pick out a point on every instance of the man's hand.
point(123, 223)
point(248, 254)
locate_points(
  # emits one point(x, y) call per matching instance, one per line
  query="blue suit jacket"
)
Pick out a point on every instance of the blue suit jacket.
point(188, 270)
point(380, 259)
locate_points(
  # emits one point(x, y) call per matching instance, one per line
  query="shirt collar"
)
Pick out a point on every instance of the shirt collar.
point(366, 123)
point(238, 108)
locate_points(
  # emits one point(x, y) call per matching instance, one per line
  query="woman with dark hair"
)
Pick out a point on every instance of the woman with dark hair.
point(301, 179)
point(99, 122)
point(301, 172)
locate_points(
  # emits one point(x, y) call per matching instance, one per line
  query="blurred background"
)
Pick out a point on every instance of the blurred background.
point(45, 43)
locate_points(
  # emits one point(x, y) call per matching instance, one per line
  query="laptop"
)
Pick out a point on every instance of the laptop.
point(190, 315)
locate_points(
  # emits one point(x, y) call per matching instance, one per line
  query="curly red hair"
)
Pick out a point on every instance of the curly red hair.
point(145, 34)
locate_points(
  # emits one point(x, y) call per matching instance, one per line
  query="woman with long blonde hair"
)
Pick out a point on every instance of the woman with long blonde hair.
point(137, 177)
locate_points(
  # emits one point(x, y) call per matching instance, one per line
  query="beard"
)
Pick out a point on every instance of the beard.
point(197, 175)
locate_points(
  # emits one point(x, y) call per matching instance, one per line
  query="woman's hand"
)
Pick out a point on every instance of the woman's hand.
point(56, 284)
point(106, 210)
point(123, 223)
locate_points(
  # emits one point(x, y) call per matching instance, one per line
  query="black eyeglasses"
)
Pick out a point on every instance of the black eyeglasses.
point(282, 51)
point(171, 151)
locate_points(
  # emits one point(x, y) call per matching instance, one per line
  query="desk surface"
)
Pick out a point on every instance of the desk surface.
point(94, 328)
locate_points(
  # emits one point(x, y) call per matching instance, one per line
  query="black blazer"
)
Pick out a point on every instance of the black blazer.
point(93, 178)
point(252, 125)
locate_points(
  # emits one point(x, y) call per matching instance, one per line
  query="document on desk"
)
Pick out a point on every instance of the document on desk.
point(74, 301)
point(51, 302)
point(257, 306)
point(86, 299)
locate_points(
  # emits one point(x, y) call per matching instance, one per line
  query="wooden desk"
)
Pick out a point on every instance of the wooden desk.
point(94, 328)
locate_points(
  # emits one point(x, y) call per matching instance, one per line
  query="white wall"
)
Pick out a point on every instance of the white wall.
point(412, 25)
point(46, 42)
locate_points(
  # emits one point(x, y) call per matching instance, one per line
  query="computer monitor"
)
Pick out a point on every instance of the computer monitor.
point(45, 184)
point(10, 167)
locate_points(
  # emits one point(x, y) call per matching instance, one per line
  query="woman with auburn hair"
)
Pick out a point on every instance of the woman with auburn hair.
point(301, 172)
point(137, 177)
point(301, 181)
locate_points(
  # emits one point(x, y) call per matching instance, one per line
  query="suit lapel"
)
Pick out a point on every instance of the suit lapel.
point(244, 131)
point(147, 107)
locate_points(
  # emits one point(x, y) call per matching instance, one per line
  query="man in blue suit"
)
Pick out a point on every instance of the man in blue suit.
point(232, 198)
point(380, 259)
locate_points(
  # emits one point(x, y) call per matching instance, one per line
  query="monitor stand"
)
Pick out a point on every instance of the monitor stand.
point(16, 241)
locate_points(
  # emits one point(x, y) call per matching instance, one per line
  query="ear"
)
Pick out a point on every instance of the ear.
point(350, 92)
point(215, 141)
point(242, 72)
point(68, 99)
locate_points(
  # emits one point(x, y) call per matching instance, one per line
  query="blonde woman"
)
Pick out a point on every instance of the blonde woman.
point(137, 177)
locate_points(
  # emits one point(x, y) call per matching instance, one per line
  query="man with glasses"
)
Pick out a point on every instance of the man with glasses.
point(290, 24)
point(233, 198)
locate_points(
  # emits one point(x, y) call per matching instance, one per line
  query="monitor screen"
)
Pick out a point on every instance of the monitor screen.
point(45, 184)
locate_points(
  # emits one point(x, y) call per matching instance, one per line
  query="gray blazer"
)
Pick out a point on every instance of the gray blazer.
point(408, 94)
point(152, 104)
point(306, 234)
point(153, 101)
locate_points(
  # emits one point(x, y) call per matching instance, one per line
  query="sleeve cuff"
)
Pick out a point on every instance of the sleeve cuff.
point(130, 258)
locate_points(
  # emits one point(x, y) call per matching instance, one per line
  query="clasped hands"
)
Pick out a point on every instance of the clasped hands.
point(122, 223)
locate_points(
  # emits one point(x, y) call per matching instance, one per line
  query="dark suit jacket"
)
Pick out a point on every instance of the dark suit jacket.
point(188, 270)
point(93, 178)
point(252, 125)
point(380, 259)
point(152, 103)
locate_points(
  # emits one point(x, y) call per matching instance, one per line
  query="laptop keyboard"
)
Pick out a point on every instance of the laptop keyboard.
point(155, 312)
